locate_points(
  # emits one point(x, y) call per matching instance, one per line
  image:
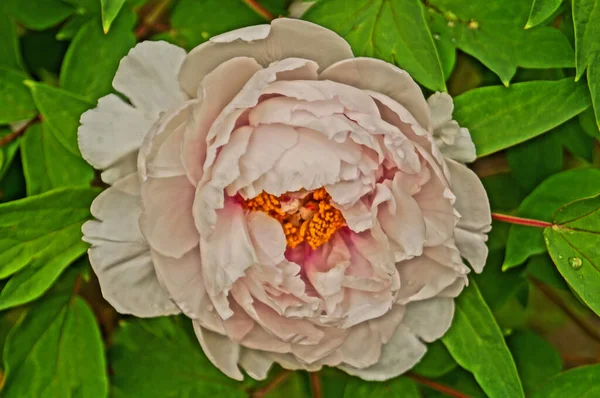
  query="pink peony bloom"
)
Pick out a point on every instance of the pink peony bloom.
point(300, 205)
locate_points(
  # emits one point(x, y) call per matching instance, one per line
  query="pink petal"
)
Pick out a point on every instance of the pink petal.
point(284, 38)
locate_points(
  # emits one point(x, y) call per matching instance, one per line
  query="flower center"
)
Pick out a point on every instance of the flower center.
point(304, 216)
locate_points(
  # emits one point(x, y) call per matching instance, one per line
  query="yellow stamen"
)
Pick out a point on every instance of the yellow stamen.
point(315, 220)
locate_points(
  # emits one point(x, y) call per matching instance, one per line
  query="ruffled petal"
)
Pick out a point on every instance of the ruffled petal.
point(226, 254)
point(148, 77)
point(284, 38)
point(268, 238)
point(401, 353)
point(160, 155)
point(120, 256)
point(110, 134)
point(425, 276)
point(183, 280)
point(255, 363)
point(216, 90)
point(462, 148)
point(221, 351)
point(453, 141)
point(166, 220)
point(209, 189)
point(382, 77)
point(435, 201)
point(429, 319)
point(474, 207)
point(441, 107)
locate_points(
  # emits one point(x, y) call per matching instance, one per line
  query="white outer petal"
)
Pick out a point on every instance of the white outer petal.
point(221, 351)
point(255, 363)
point(120, 256)
point(429, 319)
point(453, 141)
point(110, 135)
point(401, 353)
point(148, 77)
point(474, 207)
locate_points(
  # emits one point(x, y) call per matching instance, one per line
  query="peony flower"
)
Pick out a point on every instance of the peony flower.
point(300, 205)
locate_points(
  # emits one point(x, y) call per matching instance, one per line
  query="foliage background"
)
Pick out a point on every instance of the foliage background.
point(526, 77)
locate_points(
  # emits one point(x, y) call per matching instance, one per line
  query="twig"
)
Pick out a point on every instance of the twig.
point(521, 221)
point(259, 9)
point(315, 385)
point(149, 24)
point(436, 386)
point(280, 378)
point(15, 134)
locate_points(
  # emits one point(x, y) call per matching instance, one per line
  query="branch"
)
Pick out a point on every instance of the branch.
point(259, 9)
point(149, 24)
point(436, 386)
point(521, 221)
point(315, 385)
point(15, 134)
point(280, 378)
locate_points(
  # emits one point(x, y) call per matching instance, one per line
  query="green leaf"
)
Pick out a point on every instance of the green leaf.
point(110, 10)
point(459, 380)
point(84, 6)
point(7, 151)
point(493, 33)
point(594, 83)
point(541, 204)
point(93, 57)
point(576, 383)
point(573, 245)
point(38, 14)
point(61, 111)
point(500, 117)
point(398, 387)
point(17, 104)
point(12, 184)
point(393, 30)
point(195, 22)
point(476, 343)
point(587, 120)
point(535, 160)
point(541, 10)
point(43, 54)
point(573, 137)
point(48, 164)
point(497, 286)
point(70, 29)
point(39, 237)
point(586, 19)
point(10, 55)
point(536, 359)
point(436, 362)
point(161, 357)
point(56, 351)
point(504, 191)
point(541, 267)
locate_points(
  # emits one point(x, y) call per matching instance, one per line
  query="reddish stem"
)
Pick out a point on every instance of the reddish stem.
point(280, 378)
point(15, 134)
point(259, 9)
point(436, 386)
point(315, 385)
point(521, 221)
